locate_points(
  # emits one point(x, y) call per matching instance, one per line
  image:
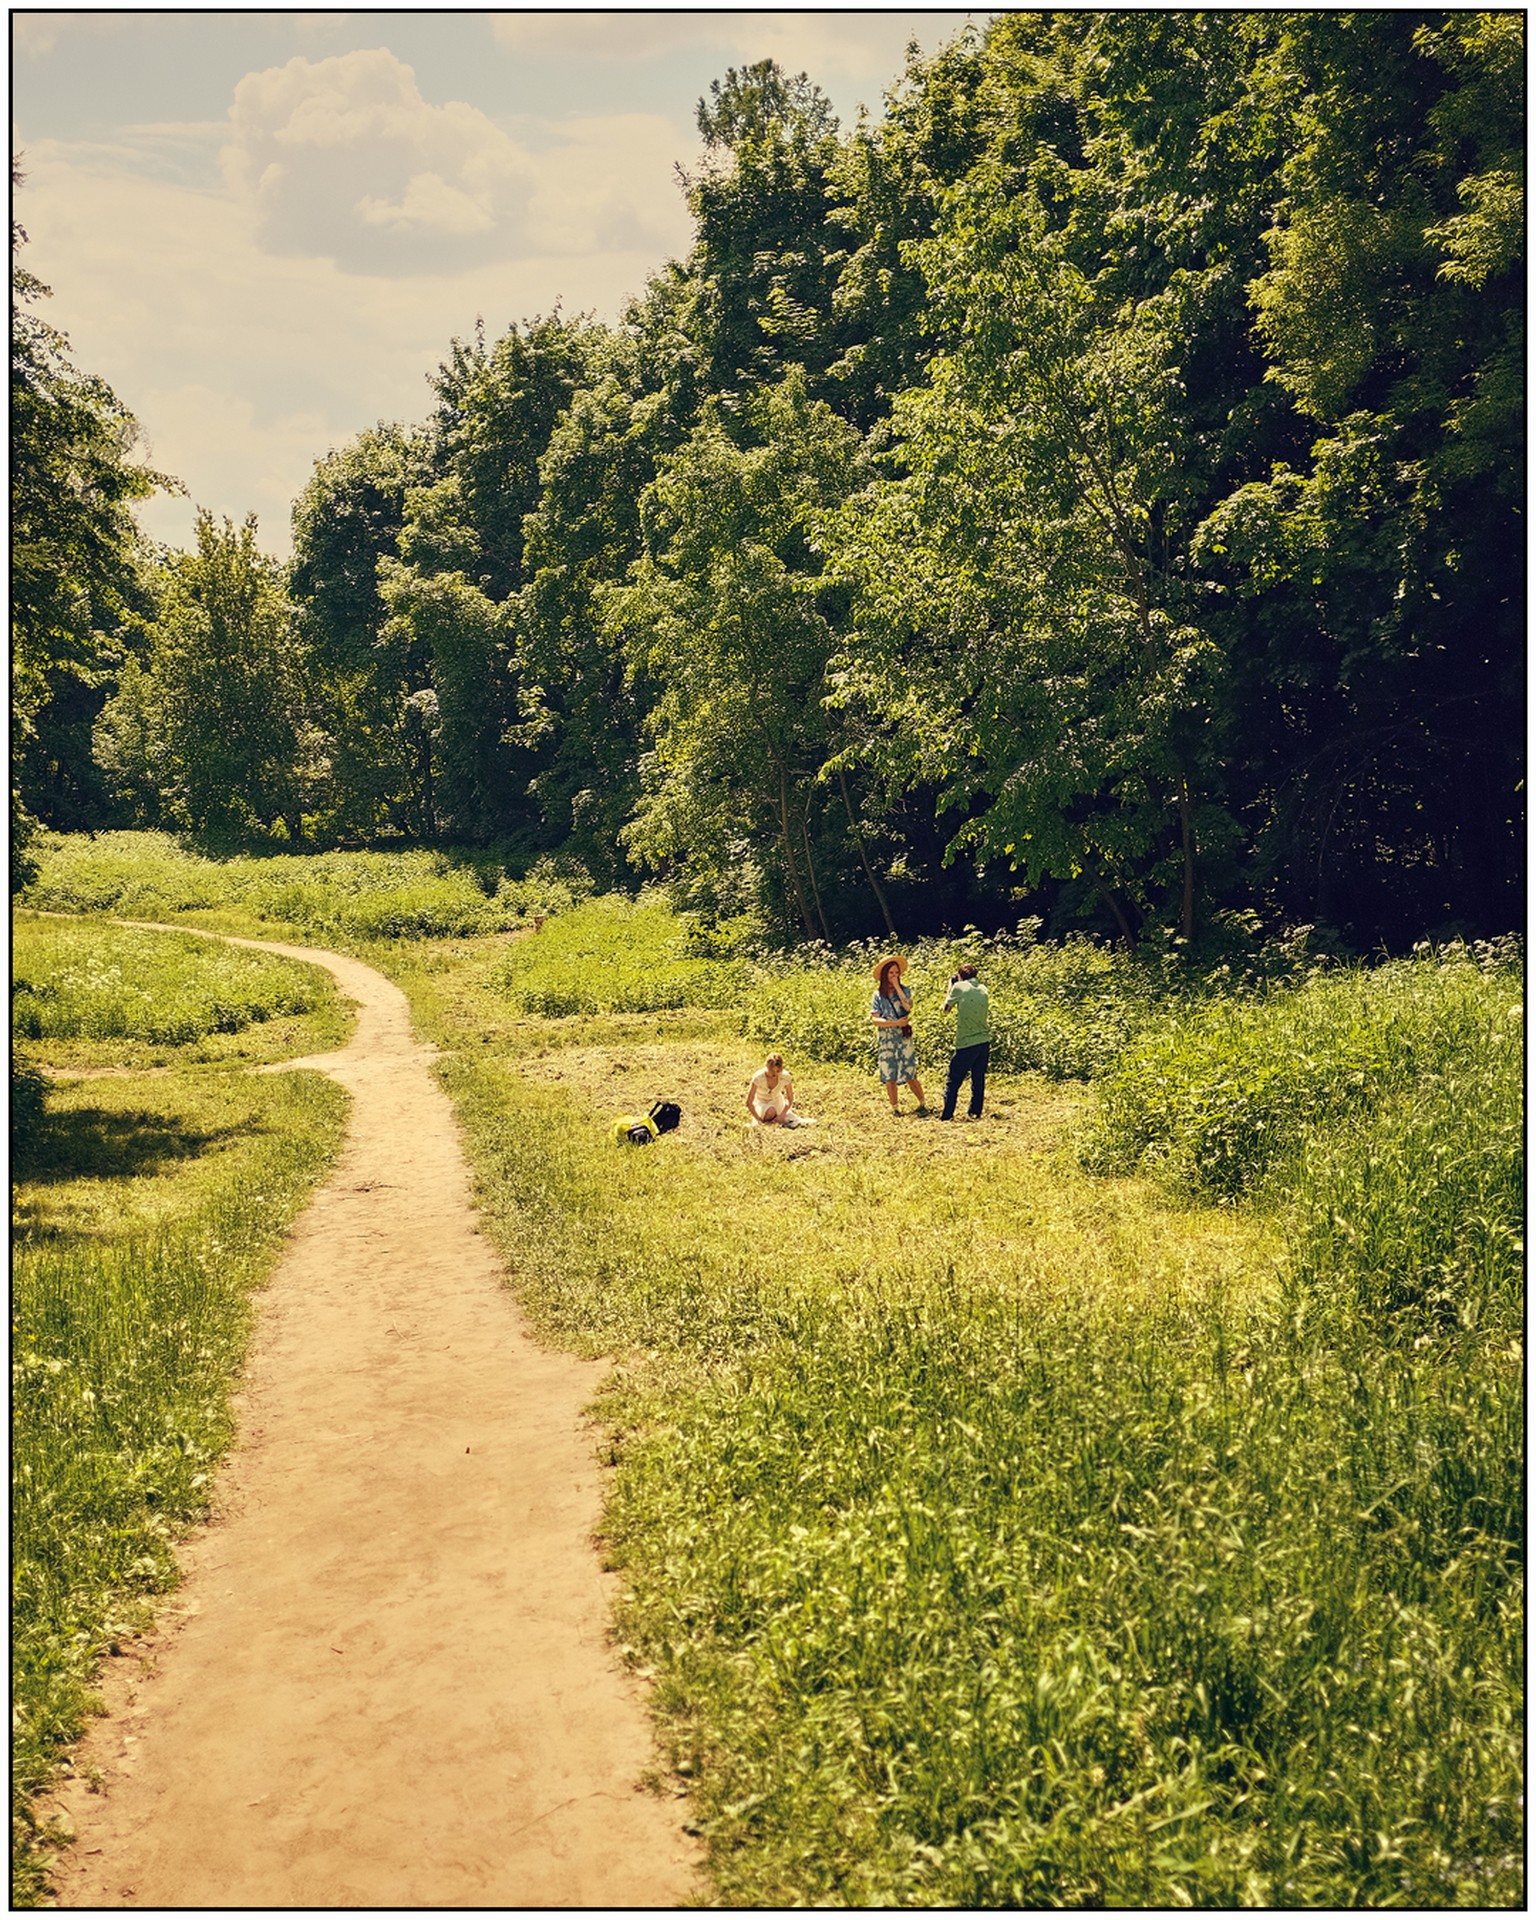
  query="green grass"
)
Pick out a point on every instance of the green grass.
point(998, 1529)
point(328, 897)
point(999, 1533)
point(157, 1206)
point(91, 995)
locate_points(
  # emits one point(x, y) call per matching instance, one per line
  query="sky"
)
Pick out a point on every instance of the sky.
point(265, 229)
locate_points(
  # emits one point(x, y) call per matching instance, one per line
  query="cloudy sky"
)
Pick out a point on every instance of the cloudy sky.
point(264, 229)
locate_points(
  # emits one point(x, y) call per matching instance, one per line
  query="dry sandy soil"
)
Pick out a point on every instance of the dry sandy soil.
point(385, 1680)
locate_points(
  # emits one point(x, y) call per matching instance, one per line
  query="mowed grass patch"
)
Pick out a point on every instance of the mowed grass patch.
point(155, 1207)
point(87, 995)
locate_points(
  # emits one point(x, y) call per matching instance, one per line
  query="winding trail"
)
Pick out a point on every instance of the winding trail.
point(385, 1680)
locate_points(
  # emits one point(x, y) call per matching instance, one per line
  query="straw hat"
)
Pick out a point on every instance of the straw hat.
point(901, 964)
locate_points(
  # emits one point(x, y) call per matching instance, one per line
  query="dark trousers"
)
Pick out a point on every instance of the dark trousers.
point(967, 1062)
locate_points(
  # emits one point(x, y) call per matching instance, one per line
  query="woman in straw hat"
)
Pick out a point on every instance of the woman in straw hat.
point(890, 1009)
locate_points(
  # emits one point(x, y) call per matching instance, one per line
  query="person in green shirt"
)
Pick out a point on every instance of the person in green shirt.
point(973, 1041)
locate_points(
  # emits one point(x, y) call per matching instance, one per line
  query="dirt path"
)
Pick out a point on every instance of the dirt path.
point(385, 1680)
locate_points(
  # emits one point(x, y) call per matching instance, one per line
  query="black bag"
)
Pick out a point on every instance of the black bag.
point(667, 1114)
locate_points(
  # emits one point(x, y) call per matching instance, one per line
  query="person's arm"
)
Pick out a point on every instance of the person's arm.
point(789, 1092)
point(751, 1103)
point(949, 1000)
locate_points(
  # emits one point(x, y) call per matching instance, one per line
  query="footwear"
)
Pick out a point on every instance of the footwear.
point(922, 1113)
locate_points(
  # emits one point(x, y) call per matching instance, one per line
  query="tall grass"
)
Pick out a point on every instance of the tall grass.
point(88, 982)
point(614, 955)
point(347, 896)
point(1064, 1010)
point(156, 1208)
point(995, 1537)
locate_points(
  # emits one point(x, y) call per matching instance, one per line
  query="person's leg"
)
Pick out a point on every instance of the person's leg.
point(952, 1085)
point(916, 1086)
point(892, 1089)
point(979, 1078)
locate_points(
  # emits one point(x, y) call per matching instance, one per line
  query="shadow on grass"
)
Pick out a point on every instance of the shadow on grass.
point(94, 1143)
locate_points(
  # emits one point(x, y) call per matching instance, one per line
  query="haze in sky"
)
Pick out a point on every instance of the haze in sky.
point(264, 229)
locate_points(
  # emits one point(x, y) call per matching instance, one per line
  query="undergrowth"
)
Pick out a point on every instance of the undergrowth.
point(341, 896)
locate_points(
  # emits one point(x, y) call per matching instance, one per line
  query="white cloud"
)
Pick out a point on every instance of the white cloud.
point(244, 369)
point(343, 159)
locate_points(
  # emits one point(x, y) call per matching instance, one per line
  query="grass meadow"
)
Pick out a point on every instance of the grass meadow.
point(151, 1190)
point(1114, 1502)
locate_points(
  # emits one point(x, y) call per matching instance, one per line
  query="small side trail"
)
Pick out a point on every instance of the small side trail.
point(385, 1680)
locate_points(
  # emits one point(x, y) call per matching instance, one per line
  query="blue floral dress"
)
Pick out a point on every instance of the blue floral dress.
point(895, 1054)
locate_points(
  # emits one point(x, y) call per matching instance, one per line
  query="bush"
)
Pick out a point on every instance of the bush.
point(1222, 1098)
point(614, 955)
point(1066, 1011)
point(1417, 1220)
point(29, 1095)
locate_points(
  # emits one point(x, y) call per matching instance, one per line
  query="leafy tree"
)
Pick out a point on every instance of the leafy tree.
point(364, 689)
point(730, 616)
point(450, 592)
point(1023, 622)
point(210, 734)
point(76, 558)
point(765, 260)
point(1380, 566)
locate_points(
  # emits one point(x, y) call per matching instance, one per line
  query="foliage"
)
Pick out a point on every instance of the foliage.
point(330, 896)
point(727, 617)
point(73, 982)
point(361, 687)
point(75, 559)
point(613, 955)
point(29, 1106)
point(1226, 1095)
point(1416, 1220)
point(163, 1205)
point(207, 735)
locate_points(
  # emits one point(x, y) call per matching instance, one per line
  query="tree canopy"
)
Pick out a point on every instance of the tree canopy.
point(1090, 486)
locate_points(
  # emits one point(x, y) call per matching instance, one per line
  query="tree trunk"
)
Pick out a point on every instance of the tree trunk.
point(810, 867)
point(1187, 835)
point(1112, 901)
point(869, 872)
point(789, 860)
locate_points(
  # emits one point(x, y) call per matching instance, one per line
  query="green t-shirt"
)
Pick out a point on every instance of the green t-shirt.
point(969, 1000)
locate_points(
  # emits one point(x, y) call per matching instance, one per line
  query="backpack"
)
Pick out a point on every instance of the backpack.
point(639, 1130)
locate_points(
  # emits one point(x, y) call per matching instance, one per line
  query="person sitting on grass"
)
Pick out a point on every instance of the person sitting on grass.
point(771, 1096)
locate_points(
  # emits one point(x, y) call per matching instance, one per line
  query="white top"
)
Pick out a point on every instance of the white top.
point(768, 1099)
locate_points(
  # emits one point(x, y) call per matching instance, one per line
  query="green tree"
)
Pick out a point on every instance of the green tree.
point(211, 733)
point(450, 591)
point(730, 616)
point(364, 688)
point(1023, 625)
point(76, 559)
point(1380, 566)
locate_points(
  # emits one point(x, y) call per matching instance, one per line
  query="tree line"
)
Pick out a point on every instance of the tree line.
point(1089, 487)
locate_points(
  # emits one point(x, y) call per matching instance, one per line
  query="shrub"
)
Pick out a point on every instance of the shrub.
point(614, 955)
point(1417, 1219)
point(29, 1094)
point(1224, 1094)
